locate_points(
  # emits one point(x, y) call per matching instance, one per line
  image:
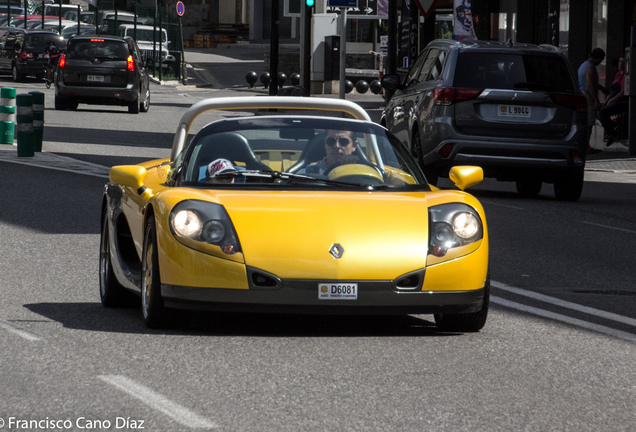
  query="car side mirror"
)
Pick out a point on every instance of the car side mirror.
point(131, 176)
point(466, 176)
point(391, 82)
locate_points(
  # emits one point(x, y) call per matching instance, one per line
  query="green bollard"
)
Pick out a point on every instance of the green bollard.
point(25, 124)
point(38, 120)
point(7, 114)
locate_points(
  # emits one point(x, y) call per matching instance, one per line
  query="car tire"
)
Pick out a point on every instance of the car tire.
point(153, 310)
point(144, 105)
point(111, 292)
point(466, 322)
point(529, 188)
point(568, 187)
point(416, 146)
point(17, 76)
point(60, 104)
point(133, 107)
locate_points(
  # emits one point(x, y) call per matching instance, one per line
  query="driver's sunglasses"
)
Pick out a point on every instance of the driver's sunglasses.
point(331, 141)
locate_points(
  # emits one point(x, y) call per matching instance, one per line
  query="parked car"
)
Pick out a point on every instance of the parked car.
point(102, 70)
point(21, 51)
point(241, 218)
point(513, 109)
point(144, 37)
point(84, 17)
point(72, 30)
point(18, 21)
point(15, 10)
point(50, 24)
point(53, 9)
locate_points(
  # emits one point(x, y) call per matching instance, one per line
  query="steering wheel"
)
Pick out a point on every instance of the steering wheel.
point(359, 168)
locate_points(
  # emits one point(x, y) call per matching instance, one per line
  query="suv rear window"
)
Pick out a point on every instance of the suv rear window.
point(97, 48)
point(513, 72)
point(37, 42)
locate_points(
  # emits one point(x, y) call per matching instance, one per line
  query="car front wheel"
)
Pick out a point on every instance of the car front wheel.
point(111, 292)
point(466, 322)
point(144, 105)
point(152, 307)
point(17, 76)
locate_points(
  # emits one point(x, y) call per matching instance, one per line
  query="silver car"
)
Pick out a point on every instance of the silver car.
point(513, 109)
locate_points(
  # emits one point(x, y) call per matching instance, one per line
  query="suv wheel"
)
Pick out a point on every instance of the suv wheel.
point(133, 106)
point(416, 146)
point(144, 105)
point(568, 187)
point(17, 76)
point(529, 188)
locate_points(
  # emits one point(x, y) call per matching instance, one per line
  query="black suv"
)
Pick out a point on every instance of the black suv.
point(513, 109)
point(21, 51)
point(102, 70)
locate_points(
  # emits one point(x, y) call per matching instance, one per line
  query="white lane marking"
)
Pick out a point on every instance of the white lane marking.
point(566, 319)
point(565, 304)
point(158, 402)
point(501, 205)
point(10, 328)
point(609, 226)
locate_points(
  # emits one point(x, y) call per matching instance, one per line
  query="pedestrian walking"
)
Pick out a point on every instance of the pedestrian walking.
point(588, 83)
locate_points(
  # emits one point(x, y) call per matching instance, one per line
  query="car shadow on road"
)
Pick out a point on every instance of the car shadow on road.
point(94, 317)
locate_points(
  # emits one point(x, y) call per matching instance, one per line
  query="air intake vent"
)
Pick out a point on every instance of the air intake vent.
point(410, 282)
point(259, 279)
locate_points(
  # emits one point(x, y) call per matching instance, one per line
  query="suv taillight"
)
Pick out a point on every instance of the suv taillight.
point(26, 55)
point(131, 63)
point(575, 102)
point(62, 62)
point(450, 95)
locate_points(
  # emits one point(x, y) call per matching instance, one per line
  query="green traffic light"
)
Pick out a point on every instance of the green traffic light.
point(310, 3)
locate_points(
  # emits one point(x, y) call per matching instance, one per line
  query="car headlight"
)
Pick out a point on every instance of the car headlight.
point(452, 225)
point(201, 225)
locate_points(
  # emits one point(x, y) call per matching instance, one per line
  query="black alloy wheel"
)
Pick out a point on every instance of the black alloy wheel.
point(17, 76)
point(144, 105)
point(111, 292)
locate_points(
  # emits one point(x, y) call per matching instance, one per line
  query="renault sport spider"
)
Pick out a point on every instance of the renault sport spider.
point(293, 213)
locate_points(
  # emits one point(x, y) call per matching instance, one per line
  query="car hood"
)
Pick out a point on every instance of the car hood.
point(290, 234)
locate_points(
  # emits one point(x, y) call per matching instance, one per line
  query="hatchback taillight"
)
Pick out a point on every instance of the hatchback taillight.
point(26, 55)
point(131, 63)
point(450, 95)
point(62, 62)
point(575, 102)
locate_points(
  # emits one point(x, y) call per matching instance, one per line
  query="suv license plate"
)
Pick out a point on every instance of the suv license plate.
point(337, 291)
point(514, 111)
point(95, 78)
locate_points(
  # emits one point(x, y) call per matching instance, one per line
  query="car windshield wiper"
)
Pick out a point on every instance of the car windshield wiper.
point(286, 176)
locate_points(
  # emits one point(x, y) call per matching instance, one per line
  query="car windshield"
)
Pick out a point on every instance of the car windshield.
point(38, 42)
point(145, 35)
point(513, 72)
point(298, 152)
point(97, 49)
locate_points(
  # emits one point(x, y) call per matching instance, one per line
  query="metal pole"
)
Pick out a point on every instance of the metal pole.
point(79, 21)
point(273, 51)
point(160, 51)
point(183, 70)
point(59, 15)
point(342, 24)
point(135, 25)
point(306, 52)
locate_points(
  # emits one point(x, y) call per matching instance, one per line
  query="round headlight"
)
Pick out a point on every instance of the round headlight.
point(465, 225)
point(213, 231)
point(443, 234)
point(187, 223)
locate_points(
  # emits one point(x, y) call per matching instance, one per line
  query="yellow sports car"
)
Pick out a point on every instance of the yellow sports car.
point(296, 214)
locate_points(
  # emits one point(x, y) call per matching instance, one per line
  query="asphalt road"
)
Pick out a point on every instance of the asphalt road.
point(556, 354)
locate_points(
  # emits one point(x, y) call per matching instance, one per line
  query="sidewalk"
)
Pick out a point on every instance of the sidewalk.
point(614, 158)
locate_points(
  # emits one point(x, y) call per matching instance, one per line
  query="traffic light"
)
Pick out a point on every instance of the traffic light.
point(310, 3)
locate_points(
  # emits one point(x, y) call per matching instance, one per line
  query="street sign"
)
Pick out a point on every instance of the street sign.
point(180, 8)
point(426, 6)
point(342, 3)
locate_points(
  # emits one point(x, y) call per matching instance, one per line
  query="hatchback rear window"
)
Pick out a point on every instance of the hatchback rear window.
point(37, 42)
point(513, 72)
point(99, 48)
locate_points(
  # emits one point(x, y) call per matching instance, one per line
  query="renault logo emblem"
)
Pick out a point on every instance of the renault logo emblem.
point(336, 250)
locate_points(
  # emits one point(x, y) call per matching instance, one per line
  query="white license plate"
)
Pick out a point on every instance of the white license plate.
point(95, 78)
point(337, 291)
point(514, 111)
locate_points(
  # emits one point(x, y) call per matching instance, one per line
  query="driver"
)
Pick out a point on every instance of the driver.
point(339, 147)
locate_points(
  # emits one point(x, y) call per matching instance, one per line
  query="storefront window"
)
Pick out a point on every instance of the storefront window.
point(564, 26)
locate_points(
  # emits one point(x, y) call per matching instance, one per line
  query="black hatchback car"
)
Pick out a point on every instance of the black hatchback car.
point(101, 70)
point(21, 51)
point(513, 109)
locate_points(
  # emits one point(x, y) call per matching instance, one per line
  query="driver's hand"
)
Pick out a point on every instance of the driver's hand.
point(349, 159)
